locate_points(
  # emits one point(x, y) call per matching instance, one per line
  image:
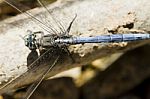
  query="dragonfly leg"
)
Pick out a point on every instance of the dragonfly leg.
point(33, 55)
point(69, 54)
point(68, 29)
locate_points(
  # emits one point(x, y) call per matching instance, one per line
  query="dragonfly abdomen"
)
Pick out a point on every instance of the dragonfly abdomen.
point(104, 39)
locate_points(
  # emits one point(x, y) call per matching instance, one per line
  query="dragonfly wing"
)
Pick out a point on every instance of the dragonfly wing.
point(58, 23)
point(33, 87)
point(36, 70)
point(23, 9)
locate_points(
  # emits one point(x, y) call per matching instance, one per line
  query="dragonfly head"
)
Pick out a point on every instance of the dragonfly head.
point(30, 40)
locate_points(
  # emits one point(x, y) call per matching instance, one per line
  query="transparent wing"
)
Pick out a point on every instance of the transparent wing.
point(36, 64)
point(23, 9)
point(64, 32)
point(58, 23)
point(41, 67)
point(33, 87)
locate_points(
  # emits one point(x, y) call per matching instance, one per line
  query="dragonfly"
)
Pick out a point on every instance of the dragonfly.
point(55, 43)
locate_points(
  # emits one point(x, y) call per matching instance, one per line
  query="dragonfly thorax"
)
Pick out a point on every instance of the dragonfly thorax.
point(46, 41)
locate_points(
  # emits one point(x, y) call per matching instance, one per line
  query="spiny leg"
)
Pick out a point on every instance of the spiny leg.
point(68, 29)
point(33, 55)
point(69, 54)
